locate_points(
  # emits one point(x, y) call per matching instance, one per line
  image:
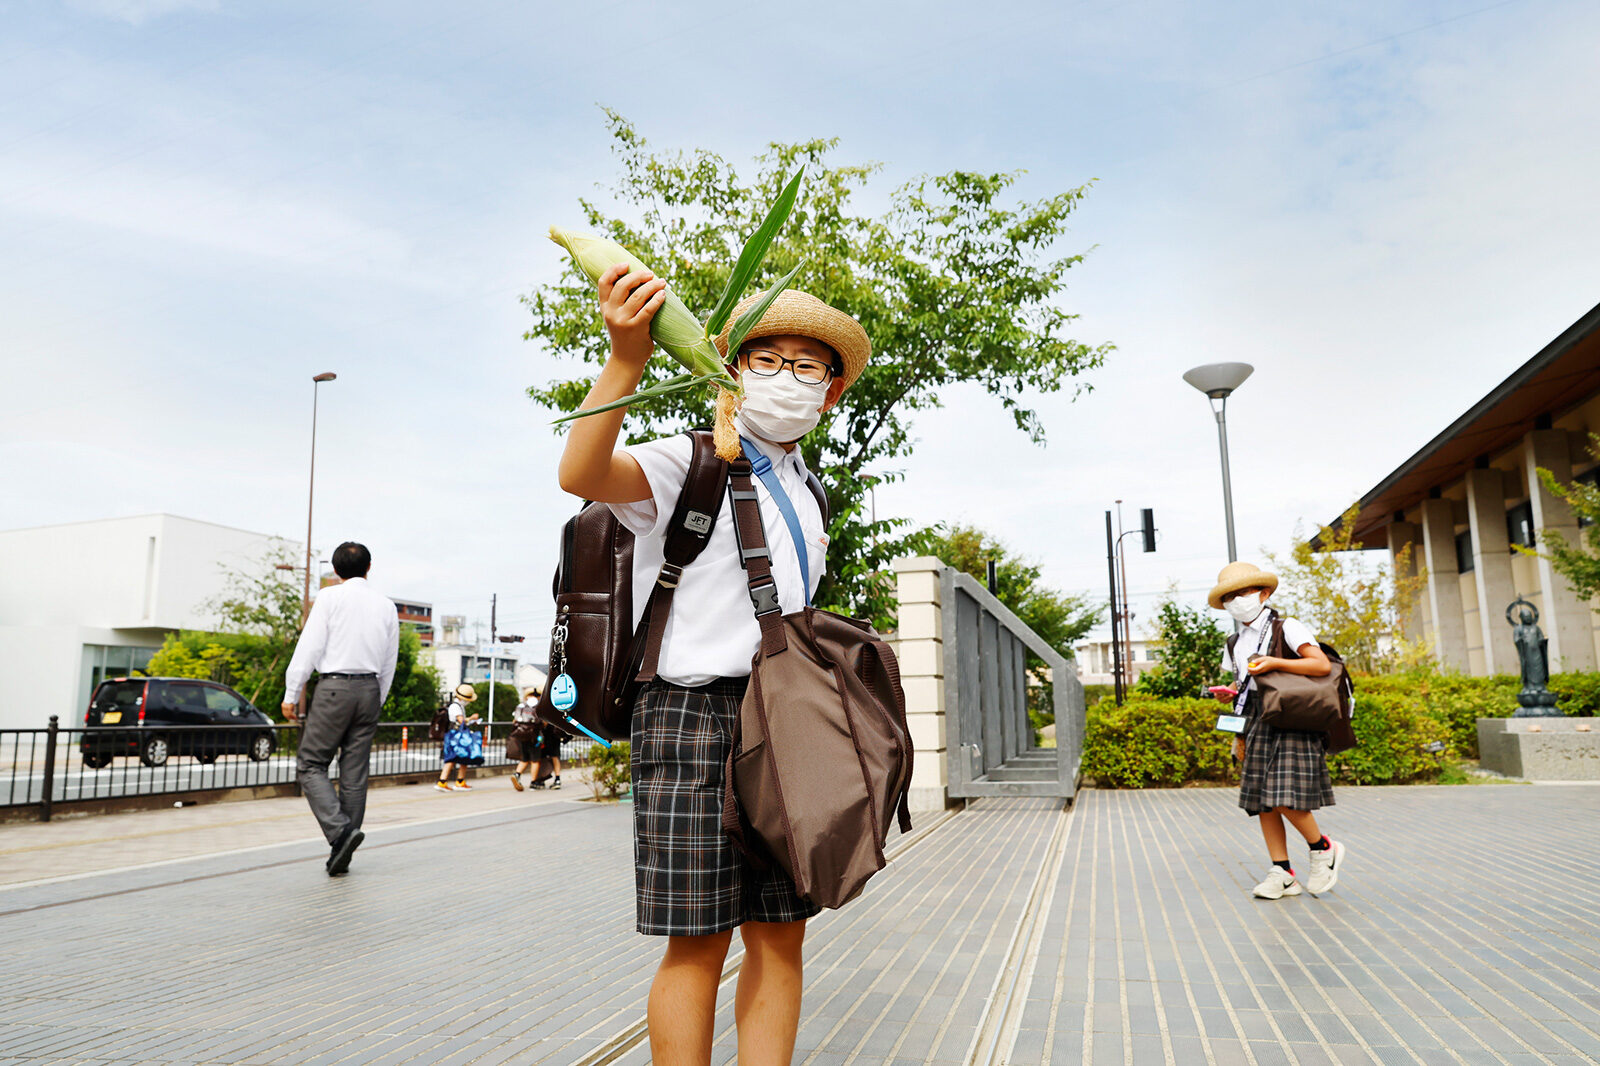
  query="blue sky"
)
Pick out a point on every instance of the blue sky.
point(1385, 207)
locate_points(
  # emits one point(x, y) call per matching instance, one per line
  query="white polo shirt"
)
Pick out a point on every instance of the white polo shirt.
point(1256, 638)
point(712, 631)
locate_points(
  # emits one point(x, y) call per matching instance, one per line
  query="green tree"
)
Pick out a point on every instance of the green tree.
point(191, 654)
point(955, 282)
point(1059, 618)
point(415, 693)
point(1349, 600)
point(262, 601)
point(1579, 563)
point(1191, 652)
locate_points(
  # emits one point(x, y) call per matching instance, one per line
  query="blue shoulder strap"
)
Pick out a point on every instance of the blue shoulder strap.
point(761, 467)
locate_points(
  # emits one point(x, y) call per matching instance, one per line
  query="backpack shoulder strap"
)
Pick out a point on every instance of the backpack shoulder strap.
point(689, 532)
point(815, 485)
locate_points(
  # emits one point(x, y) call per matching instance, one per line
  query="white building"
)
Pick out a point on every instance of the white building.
point(88, 600)
point(1095, 662)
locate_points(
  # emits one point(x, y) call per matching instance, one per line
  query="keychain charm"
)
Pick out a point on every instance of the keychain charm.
point(563, 693)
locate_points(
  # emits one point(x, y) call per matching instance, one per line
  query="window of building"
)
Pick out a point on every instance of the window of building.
point(1592, 479)
point(1464, 561)
point(1519, 525)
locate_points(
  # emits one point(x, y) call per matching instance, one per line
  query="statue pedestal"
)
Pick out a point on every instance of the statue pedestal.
point(1541, 749)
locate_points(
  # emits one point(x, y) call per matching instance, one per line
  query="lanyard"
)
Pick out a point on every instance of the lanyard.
point(761, 467)
point(1241, 668)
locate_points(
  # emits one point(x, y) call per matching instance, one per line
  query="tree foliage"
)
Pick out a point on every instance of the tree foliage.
point(1359, 606)
point(1579, 563)
point(955, 282)
point(1059, 618)
point(1191, 653)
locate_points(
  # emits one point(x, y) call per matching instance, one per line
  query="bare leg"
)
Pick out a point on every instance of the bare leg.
point(444, 774)
point(1272, 832)
point(766, 1006)
point(1305, 822)
point(683, 999)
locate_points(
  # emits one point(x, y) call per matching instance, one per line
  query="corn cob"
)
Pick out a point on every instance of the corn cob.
point(675, 328)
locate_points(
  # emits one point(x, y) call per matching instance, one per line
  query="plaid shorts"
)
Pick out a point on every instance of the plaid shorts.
point(1282, 768)
point(690, 878)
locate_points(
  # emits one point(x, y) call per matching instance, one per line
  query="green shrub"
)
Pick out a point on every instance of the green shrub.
point(608, 769)
point(1454, 699)
point(1392, 731)
point(1150, 742)
point(1577, 695)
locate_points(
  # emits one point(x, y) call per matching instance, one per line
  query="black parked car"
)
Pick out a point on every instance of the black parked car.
point(135, 716)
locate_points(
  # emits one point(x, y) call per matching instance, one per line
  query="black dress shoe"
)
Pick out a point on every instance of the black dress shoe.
point(339, 861)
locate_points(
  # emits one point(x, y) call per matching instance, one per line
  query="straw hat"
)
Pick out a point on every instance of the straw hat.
point(466, 693)
point(803, 315)
point(1236, 576)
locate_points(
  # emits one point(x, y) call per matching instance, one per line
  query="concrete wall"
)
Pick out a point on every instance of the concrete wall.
point(123, 582)
point(919, 645)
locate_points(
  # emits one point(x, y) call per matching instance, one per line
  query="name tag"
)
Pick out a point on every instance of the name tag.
point(1230, 723)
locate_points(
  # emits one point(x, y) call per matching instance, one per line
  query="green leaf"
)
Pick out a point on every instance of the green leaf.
point(748, 320)
point(681, 383)
point(755, 250)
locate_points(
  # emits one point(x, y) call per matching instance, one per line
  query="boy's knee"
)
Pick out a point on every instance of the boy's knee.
point(774, 936)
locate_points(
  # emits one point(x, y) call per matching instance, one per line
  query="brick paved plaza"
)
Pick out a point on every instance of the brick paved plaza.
point(1465, 930)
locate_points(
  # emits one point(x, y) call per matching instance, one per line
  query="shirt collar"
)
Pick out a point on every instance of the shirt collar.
point(777, 456)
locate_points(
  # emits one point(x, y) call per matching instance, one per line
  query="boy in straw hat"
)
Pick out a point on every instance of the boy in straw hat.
point(693, 886)
point(1283, 774)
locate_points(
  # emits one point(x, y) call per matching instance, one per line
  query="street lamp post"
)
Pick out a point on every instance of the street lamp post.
point(1218, 381)
point(311, 488)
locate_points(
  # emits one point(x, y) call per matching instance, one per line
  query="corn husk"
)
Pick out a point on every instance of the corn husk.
point(675, 328)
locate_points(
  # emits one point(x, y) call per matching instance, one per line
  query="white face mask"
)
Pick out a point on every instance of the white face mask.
point(781, 408)
point(1244, 608)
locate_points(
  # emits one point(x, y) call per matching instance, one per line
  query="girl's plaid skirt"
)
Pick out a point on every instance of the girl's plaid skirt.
point(1282, 768)
point(690, 878)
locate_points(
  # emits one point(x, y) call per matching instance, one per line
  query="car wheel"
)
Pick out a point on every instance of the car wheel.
point(154, 751)
point(96, 762)
point(261, 748)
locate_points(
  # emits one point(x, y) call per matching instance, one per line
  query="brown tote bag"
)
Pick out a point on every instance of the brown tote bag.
point(821, 759)
point(1308, 704)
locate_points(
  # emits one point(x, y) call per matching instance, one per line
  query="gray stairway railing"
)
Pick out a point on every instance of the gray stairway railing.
point(987, 674)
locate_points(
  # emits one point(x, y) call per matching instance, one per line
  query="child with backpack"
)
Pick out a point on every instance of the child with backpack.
point(461, 746)
point(693, 884)
point(1283, 773)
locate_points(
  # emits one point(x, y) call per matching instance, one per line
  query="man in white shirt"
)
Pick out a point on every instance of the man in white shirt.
point(351, 639)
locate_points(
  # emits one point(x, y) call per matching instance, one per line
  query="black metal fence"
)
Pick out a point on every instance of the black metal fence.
point(57, 765)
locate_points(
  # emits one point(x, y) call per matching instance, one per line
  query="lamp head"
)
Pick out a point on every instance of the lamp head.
point(329, 376)
point(1217, 380)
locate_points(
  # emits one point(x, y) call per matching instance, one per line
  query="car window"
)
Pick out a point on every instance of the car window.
point(118, 695)
point(222, 700)
point(179, 696)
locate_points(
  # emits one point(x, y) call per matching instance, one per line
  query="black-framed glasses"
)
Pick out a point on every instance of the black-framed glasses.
point(806, 369)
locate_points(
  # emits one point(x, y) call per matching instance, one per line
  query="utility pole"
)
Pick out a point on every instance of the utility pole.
point(494, 599)
point(1116, 643)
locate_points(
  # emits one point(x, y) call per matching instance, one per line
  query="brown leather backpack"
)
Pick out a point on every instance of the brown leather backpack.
point(594, 640)
point(821, 755)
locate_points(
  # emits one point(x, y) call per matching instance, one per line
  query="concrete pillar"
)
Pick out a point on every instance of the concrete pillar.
point(1444, 588)
point(1491, 553)
point(1567, 618)
point(1403, 535)
point(920, 648)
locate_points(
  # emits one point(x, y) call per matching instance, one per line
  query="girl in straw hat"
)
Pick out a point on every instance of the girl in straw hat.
point(1284, 774)
point(694, 886)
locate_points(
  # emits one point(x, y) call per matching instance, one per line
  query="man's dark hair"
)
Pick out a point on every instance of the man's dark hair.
point(351, 560)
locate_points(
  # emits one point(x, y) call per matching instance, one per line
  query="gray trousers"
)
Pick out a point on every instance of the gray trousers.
point(342, 718)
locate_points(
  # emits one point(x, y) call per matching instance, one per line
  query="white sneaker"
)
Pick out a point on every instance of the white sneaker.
point(1277, 884)
point(1325, 867)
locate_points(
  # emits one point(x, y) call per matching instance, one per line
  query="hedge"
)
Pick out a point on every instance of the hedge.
point(1150, 742)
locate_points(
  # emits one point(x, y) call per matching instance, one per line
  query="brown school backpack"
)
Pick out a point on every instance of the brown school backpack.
point(594, 640)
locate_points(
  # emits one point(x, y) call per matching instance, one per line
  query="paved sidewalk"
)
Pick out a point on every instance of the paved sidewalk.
point(1465, 930)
